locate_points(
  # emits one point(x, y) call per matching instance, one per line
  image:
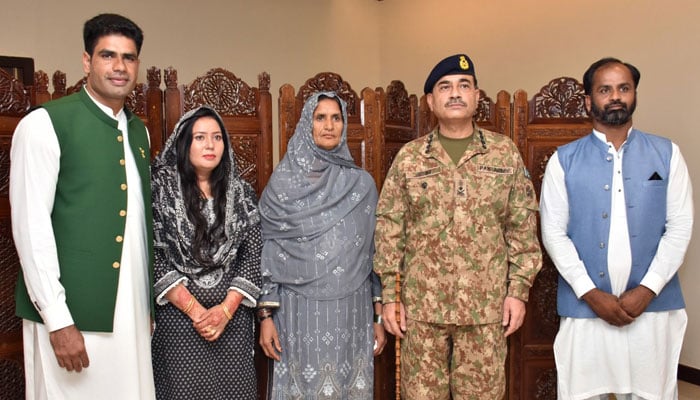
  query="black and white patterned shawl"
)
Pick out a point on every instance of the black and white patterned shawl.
point(318, 217)
point(173, 231)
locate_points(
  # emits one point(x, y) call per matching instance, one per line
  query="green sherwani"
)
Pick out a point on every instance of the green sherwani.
point(90, 208)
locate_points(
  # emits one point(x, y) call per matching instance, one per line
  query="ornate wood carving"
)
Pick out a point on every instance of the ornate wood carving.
point(136, 100)
point(78, 85)
point(171, 78)
point(41, 87)
point(483, 111)
point(546, 385)
point(264, 81)
point(552, 117)
point(58, 80)
point(560, 98)
point(246, 150)
point(329, 81)
point(223, 91)
point(398, 104)
point(5, 142)
point(9, 268)
point(153, 77)
point(14, 98)
point(12, 379)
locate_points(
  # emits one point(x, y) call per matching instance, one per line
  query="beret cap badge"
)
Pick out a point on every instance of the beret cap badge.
point(463, 63)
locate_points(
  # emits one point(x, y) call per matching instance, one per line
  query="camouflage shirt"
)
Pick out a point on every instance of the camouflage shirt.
point(461, 237)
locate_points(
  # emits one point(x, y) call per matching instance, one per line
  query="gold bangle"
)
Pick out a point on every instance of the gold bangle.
point(227, 313)
point(189, 305)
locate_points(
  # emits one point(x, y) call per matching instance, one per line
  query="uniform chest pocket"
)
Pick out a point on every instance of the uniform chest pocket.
point(423, 187)
point(493, 182)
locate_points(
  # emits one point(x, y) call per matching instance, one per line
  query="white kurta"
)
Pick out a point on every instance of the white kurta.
point(592, 356)
point(120, 361)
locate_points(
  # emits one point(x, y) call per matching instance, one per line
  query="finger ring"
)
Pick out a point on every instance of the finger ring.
point(213, 332)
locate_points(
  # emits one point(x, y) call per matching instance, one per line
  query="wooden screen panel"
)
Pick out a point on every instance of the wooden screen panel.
point(399, 125)
point(365, 141)
point(554, 116)
point(247, 115)
point(15, 101)
point(494, 116)
point(245, 110)
point(363, 136)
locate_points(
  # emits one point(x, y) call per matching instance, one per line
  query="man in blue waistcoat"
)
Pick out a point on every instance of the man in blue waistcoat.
point(81, 219)
point(617, 216)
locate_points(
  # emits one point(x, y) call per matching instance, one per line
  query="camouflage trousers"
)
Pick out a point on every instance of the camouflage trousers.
point(466, 361)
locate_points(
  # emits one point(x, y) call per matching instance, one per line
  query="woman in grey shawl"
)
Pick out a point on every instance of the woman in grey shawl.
point(319, 293)
point(207, 265)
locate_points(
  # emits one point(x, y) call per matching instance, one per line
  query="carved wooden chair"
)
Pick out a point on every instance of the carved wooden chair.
point(363, 135)
point(555, 115)
point(246, 111)
point(15, 101)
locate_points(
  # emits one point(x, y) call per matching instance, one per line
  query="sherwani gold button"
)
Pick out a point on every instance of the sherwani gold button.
point(119, 238)
point(115, 264)
point(122, 162)
point(120, 138)
point(122, 213)
point(123, 186)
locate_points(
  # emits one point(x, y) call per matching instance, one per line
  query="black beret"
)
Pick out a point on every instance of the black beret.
point(458, 64)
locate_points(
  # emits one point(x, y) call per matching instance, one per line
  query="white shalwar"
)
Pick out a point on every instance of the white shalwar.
point(594, 358)
point(120, 361)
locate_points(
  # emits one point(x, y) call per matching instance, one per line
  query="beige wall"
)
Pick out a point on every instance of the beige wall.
point(515, 45)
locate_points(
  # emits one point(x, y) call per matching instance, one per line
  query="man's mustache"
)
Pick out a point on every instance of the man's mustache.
point(615, 103)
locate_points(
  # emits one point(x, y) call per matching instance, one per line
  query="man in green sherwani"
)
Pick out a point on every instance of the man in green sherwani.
point(81, 219)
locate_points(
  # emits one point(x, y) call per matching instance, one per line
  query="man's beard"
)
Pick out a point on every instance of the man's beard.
point(615, 117)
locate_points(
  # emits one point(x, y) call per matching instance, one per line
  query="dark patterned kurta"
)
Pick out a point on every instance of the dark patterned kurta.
point(186, 366)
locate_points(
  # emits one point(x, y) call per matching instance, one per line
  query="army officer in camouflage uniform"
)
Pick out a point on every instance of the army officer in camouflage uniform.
point(457, 222)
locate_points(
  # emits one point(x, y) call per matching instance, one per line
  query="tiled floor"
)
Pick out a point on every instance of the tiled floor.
point(687, 391)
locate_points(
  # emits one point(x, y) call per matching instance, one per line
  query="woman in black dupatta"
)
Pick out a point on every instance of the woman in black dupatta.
point(207, 265)
point(318, 218)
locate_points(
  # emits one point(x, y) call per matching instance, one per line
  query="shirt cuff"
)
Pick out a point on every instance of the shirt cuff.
point(583, 285)
point(161, 300)
point(519, 289)
point(248, 300)
point(389, 289)
point(654, 282)
point(57, 316)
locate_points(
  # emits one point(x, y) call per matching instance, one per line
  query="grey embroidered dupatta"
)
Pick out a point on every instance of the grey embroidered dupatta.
point(317, 215)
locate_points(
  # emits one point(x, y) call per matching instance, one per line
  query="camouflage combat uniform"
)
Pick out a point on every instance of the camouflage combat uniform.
point(462, 237)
